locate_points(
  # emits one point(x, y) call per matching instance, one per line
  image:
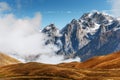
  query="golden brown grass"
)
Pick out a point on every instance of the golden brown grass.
point(6, 60)
point(105, 62)
point(39, 71)
point(97, 68)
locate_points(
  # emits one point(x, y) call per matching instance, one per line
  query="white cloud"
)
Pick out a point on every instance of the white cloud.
point(115, 7)
point(4, 7)
point(20, 35)
point(56, 59)
point(21, 39)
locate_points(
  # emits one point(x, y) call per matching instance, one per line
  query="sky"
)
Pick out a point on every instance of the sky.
point(59, 12)
point(21, 20)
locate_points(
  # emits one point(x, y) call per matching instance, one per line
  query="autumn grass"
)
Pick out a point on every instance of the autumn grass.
point(97, 68)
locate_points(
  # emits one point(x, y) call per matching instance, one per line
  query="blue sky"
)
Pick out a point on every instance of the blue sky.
point(59, 12)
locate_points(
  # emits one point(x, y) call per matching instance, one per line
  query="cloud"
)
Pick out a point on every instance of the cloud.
point(4, 7)
point(22, 39)
point(56, 59)
point(20, 35)
point(115, 7)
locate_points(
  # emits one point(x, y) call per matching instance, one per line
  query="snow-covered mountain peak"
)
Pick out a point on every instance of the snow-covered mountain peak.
point(53, 34)
point(50, 27)
point(97, 17)
point(51, 30)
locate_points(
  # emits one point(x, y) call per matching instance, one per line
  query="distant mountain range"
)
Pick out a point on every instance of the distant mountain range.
point(94, 34)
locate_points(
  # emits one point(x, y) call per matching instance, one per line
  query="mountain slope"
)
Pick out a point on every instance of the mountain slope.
point(103, 44)
point(97, 68)
point(6, 60)
point(111, 61)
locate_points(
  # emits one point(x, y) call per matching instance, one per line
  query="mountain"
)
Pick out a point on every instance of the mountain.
point(53, 35)
point(73, 37)
point(94, 34)
point(97, 68)
point(106, 41)
point(52, 32)
point(6, 60)
point(80, 32)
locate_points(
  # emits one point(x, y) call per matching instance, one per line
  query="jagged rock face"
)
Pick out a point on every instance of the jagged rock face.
point(106, 40)
point(74, 37)
point(92, 35)
point(79, 33)
point(53, 35)
point(103, 44)
point(51, 30)
point(99, 18)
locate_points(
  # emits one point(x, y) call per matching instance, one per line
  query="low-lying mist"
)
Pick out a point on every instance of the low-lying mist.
point(22, 39)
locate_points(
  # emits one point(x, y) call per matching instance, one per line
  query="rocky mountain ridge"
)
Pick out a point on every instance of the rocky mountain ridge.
point(92, 29)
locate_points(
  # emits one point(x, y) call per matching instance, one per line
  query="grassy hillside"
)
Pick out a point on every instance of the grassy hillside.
point(106, 62)
point(97, 68)
point(6, 60)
